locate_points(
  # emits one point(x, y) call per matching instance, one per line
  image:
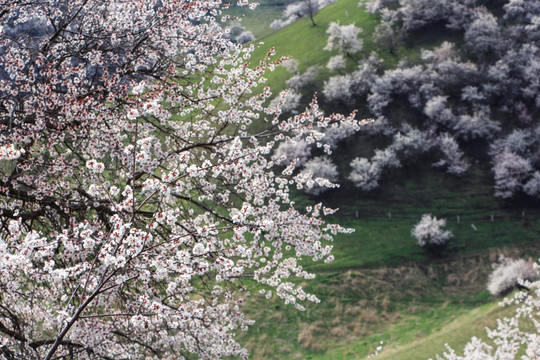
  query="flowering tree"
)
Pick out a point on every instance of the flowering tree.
point(507, 273)
point(510, 170)
point(320, 173)
point(429, 234)
point(132, 195)
point(336, 63)
point(453, 156)
point(343, 38)
point(300, 9)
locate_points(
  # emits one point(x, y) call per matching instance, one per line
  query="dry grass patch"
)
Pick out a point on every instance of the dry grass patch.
point(309, 337)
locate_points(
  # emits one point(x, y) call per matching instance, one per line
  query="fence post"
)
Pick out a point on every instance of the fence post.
point(492, 218)
point(357, 214)
point(389, 216)
point(458, 219)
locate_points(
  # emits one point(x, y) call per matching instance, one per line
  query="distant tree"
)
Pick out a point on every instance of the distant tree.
point(452, 74)
point(389, 33)
point(291, 65)
point(373, 6)
point(444, 52)
point(335, 133)
point(522, 113)
point(336, 63)
point(419, 13)
point(429, 234)
point(472, 94)
point(410, 142)
point(289, 151)
point(510, 170)
point(521, 11)
point(532, 187)
point(518, 141)
point(321, 173)
point(287, 101)
point(281, 23)
point(475, 126)
point(300, 81)
point(453, 157)
point(364, 76)
point(344, 38)
point(244, 37)
point(437, 110)
point(483, 36)
point(365, 174)
point(507, 273)
point(386, 158)
point(302, 8)
point(338, 88)
point(403, 80)
point(238, 34)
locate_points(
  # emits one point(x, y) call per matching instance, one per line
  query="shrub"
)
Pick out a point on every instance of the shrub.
point(323, 171)
point(507, 273)
point(429, 234)
point(286, 152)
point(344, 38)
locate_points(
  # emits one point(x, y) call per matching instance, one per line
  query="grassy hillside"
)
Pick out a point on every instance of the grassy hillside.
point(414, 309)
point(305, 42)
point(382, 286)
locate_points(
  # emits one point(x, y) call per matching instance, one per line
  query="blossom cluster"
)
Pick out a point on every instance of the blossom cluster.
point(142, 197)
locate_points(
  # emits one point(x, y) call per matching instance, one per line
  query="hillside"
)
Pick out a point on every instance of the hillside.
point(381, 285)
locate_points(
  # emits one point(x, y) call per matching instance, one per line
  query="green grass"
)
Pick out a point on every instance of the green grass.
point(413, 308)
point(305, 42)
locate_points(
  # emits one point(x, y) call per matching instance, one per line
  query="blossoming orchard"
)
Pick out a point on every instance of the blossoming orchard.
point(133, 194)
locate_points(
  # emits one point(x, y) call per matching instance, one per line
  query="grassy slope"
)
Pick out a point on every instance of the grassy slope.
point(413, 308)
point(416, 305)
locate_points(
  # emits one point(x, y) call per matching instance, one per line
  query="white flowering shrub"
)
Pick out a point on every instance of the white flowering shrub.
point(483, 35)
point(453, 157)
point(437, 110)
point(244, 37)
point(344, 38)
point(507, 273)
point(237, 33)
point(336, 63)
point(478, 125)
point(532, 187)
point(336, 132)
point(389, 34)
point(291, 65)
point(365, 174)
point(299, 81)
point(287, 101)
point(518, 141)
point(300, 9)
point(338, 88)
point(429, 234)
point(320, 173)
point(288, 151)
point(510, 170)
point(410, 142)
